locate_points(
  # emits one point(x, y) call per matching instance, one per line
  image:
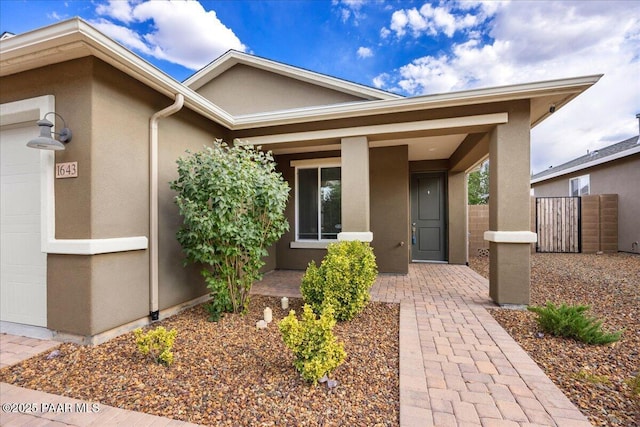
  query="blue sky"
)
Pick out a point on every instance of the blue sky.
point(408, 47)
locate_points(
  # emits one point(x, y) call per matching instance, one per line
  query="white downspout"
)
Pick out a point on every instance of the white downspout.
point(153, 202)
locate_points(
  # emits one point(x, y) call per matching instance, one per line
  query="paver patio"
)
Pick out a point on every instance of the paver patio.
point(458, 367)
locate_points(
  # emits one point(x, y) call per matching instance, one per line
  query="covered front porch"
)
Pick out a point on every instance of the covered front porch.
point(400, 169)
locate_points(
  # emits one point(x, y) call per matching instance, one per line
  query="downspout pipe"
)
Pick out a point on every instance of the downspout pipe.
point(154, 311)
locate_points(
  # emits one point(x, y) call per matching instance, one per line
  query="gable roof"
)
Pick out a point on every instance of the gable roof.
point(75, 38)
point(234, 57)
point(596, 157)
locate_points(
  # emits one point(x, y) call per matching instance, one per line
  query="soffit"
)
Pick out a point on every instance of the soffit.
point(426, 140)
point(421, 148)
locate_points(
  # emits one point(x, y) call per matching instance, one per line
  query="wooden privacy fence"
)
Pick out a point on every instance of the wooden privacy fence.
point(558, 224)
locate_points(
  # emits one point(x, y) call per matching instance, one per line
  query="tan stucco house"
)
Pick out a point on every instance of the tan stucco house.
point(615, 170)
point(89, 256)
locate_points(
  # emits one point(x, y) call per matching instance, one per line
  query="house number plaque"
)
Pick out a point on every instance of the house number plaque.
point(67, 170)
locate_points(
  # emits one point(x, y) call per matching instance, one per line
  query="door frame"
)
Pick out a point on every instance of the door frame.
point(444, 207)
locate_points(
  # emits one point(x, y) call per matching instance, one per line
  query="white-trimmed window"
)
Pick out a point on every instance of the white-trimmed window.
point(579, 186)
point(318, 199)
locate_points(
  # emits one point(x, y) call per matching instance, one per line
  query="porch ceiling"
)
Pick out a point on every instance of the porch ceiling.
point(433, 139)
point(420, 148)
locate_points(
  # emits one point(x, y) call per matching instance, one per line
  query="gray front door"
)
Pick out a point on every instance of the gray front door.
point(428, 217)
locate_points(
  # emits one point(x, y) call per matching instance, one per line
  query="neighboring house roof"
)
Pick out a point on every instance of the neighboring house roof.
point(234, 57)
point(75, 38)
point(596, 157)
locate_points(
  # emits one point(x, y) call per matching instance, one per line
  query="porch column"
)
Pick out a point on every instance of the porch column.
point(458, 218)
point(509, 208)
point(355, 189)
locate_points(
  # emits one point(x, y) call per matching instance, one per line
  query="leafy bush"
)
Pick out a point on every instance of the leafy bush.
point(157, 344)
point(343, 279)
point(232, 201)
point(571, 322)
point(316, 351)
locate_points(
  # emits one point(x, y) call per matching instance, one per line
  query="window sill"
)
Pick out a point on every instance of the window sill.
point(311, 244)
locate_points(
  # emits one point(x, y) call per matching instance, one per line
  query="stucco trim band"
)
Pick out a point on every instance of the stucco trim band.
point(480, 120)
point(362, 236)
point(96, 246)
point(511, 236)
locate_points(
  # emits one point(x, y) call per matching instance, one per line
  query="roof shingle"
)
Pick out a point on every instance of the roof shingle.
point(610, 150)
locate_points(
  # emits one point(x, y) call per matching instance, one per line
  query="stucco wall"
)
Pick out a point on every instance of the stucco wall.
point(389, 205)
point(619, 177)
point(109, 114)
point(177, 133)
point(245, 90)
point(389, 211)
point(287, 258)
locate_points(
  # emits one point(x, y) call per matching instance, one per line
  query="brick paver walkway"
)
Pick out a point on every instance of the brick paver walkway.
point(458, 367)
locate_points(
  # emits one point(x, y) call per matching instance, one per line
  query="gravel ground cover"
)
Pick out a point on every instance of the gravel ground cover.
point(595, 378)
point(227, 373)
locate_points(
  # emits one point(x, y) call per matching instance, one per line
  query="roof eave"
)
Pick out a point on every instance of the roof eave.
point(233, 57)
point(571, 87)
point(596, 162)
point(74, 39)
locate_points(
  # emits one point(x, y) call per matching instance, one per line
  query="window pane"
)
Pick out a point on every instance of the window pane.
point(308, 204)
point(584, 185)
point(331, 196)
point(575, 186)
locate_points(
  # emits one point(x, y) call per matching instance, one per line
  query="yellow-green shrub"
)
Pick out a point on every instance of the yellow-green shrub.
point(316, 350)
point(156, 344)
point(343, 279)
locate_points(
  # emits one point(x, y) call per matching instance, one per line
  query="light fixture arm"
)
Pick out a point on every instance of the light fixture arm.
point(65, 134)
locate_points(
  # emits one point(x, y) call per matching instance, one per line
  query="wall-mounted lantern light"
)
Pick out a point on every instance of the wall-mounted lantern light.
point(45, 141)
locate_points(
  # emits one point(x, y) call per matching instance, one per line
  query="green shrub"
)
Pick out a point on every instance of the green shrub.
point(156, 344)
point(572, 322)
point(220, 302)
point(232, 200)
point(343, 279)
point(316, 351)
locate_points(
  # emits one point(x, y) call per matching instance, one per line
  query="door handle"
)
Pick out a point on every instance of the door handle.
point(413, 234)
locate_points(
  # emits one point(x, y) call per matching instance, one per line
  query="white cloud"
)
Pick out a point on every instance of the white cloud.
point(381, 80)
point(534, 41)
point(116, 9)
point(124, 35)
point(54, 16)
point(350, 9)
point(443, 19)
point(364, 52)
point(182, 32)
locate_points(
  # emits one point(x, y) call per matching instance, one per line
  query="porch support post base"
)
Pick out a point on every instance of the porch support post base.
point(509, 273)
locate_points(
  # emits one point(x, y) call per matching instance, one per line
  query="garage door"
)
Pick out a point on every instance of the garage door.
point(23, 275)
